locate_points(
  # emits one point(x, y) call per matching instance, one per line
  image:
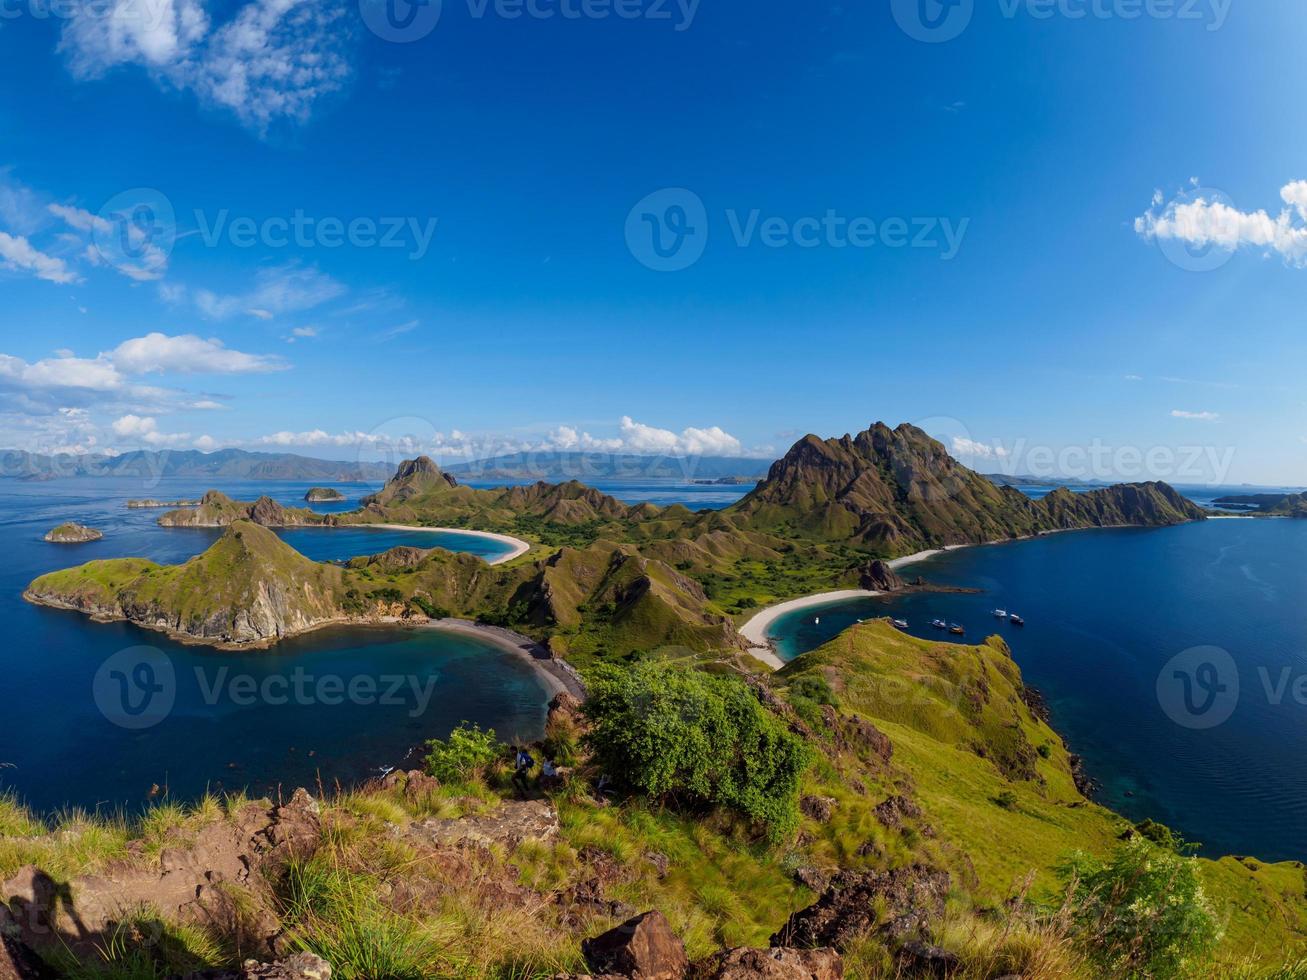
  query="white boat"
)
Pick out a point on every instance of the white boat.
point(901, 623)
point(1000, 614)
point(816, 621)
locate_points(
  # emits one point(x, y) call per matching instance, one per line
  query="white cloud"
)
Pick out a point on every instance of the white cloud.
point(18, 253)
point(157, 353)
point(962, 446)
point(1201, 220)
point(273, 60)
point(206, 444)
point(1177, 413)
point(145, 430)
point(141, 259)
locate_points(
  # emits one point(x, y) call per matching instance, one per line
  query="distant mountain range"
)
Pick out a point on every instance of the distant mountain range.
point(559, 466)
point(229, 464)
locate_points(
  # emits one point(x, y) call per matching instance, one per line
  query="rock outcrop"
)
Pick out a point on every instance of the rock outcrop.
point(72, 534)
point(216, 509)
point(324, 495)
point(642, 948)
point(911, 897)
point(770, 964)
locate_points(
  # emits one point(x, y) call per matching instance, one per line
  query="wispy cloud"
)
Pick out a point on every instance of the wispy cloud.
point(290, 288)
point(1178, 413)
point(274, 60)
point(18, 254)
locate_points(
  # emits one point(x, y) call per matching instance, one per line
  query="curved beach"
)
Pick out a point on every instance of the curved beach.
point(558, 676)
point(755, 630)
point(519, 546)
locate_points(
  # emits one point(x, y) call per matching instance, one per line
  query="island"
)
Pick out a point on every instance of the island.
point(72, 534)
point(1267, 504)
point(828, 808)
point(149, 504)
point(324, 495)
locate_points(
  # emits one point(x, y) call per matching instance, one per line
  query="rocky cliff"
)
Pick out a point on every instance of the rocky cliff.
point(218, 510)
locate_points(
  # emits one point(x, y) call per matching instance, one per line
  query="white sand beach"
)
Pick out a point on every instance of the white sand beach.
point(519, 546)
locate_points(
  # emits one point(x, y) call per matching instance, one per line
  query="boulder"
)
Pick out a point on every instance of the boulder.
point(926, 960)
point(910, 898)
point(819, 808)
point(17, 961)
point(72, 534)
point(771, 964)
point(895, 810)
point(642, 948)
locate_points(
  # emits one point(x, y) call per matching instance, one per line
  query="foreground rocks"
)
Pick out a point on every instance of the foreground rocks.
point(302, 966)
point(643, 948)
point(195, 884)
point(771, 964)
point(911, 898)
point(72, 534)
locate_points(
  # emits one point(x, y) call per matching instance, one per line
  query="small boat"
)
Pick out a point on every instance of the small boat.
point(1000, 613)
point(1016, 620)
point(955, 629)
point(901, 623)
point(939, 624)
point(816, 621)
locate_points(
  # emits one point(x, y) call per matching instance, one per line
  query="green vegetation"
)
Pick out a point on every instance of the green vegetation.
point(1141, 912)
point(690, 737)
point(466, 755)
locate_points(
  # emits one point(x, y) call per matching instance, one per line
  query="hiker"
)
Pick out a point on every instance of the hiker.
point(522, 765)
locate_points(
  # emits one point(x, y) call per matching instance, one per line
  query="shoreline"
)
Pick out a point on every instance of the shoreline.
point(763, 648)
point(519, 546)
point(559, 676)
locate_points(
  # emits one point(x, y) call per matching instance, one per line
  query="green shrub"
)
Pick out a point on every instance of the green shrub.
point(688, 737)
point(1006, 799)
point(1142, 913)
point(464, 755)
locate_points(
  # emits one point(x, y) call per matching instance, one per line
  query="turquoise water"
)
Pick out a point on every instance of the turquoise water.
point(67, 741)
point(1106, 612)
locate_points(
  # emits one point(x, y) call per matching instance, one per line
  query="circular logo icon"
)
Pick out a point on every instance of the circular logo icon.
point(1195, 256)
point(668, 230)
point(932, 21)
point(136, 688)
point(393, 442)
point(401, 21)
point(135, 232)
point(1199, 688)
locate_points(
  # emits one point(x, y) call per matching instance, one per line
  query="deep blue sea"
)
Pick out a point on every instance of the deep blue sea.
point(62, 747)
point(1118, 622)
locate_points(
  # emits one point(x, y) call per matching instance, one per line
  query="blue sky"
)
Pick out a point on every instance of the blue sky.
point(1078, 242)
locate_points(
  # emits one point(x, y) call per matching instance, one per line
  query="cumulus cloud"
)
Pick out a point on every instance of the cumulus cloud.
point(1178, 413)
point(145, 430)
point(713, 441)
point(157, 353)
point(18, 254)
point(273, 61)
point(962, 446)
point(1199, 219)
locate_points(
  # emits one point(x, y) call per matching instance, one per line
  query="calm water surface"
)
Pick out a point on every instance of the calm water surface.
point(1106, 611)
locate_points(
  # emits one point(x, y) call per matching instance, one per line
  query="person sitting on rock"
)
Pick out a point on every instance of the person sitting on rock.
point(522, 765)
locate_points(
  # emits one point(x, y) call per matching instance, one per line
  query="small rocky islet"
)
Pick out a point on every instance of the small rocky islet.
point(72, 534)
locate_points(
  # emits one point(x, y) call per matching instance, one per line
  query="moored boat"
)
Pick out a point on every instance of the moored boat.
point(939, 624)
point(1016, 620)
point(1000, 613)
point(901, 623)
point(955, 629)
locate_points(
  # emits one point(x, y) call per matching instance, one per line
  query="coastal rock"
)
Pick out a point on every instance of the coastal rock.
point(150, 504)
point(911, 897)
point(642, 948)
point(72, 534)
point(323, 495)
point(770, 964)
point(878, 576)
